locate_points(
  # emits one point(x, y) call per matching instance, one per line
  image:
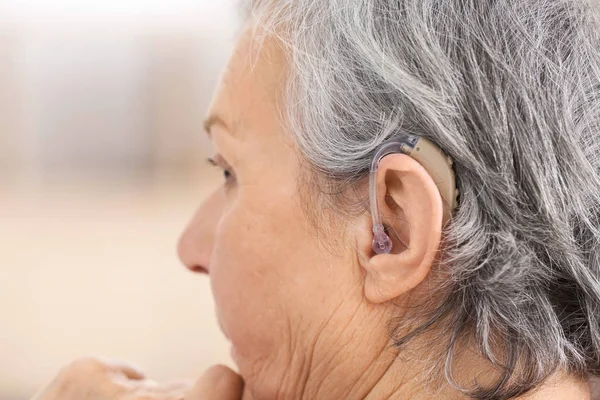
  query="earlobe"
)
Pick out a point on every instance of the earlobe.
point(391, 275)
point(411, 205)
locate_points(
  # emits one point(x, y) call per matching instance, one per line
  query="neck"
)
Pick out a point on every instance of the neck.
point(384, 374)
point(353, 357)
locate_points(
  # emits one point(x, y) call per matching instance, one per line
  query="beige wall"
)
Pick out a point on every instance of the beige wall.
point(101, 165)
point(91, 269)
point(108, 95)
point(11, 100)
point(182, 79)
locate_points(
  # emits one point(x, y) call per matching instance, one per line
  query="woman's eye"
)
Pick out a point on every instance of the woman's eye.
point(217, 162)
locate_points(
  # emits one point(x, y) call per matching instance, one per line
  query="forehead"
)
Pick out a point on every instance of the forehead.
point(251, 85)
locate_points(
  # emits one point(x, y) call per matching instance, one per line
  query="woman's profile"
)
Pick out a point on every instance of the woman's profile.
point(489, 286)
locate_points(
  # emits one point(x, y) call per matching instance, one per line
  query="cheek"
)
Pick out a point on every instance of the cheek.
point(271, 279)
point(250, 255)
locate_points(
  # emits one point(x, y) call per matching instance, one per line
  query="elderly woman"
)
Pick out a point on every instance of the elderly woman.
point(471, 129)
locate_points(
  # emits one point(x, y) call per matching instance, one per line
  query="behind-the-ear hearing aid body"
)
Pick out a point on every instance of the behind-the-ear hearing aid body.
point(435, 162)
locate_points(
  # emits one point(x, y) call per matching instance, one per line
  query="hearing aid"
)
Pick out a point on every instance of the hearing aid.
point(434, 161)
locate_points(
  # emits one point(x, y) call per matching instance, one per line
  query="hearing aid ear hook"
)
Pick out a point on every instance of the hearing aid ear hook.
point(435, 162)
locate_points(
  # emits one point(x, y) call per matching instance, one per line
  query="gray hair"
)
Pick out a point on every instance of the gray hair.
point(510, 89)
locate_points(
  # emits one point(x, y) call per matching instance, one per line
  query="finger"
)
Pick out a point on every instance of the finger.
point(130, 371)
point(175, 388)
point(184, 385)
point(218, 383)
point(149, 389)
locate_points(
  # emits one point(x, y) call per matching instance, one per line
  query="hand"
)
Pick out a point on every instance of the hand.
point(218, 383)
point(95, 379)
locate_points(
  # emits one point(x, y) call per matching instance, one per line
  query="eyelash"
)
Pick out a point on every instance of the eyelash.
point(228, 175)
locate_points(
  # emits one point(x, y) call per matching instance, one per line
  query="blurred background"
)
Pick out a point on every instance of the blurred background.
point(102, 162)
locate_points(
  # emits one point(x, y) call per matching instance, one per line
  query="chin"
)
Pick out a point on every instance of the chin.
point(234, 355)
point(257, 364)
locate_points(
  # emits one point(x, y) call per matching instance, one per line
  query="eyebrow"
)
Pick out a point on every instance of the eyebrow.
point(213, 120)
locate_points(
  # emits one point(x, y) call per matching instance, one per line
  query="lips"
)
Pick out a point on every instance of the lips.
point(199, 269)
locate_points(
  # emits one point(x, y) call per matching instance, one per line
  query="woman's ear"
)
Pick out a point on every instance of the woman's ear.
point(411, 209)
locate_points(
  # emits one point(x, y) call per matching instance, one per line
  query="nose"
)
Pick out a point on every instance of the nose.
point(197, 241)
